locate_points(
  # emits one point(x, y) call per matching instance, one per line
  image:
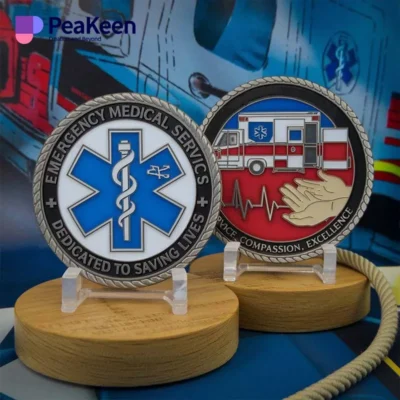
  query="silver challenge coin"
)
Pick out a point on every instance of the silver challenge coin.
point(126, 188)
point(296, 168)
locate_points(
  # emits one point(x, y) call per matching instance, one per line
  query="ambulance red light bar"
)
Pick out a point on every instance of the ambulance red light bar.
point(243, 119)
point(315, 118)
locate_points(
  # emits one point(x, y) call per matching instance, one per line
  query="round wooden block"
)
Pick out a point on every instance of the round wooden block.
point(115, 342)
point(283, 302)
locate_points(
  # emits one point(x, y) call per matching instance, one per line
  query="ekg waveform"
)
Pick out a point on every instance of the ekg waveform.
point(245, 207)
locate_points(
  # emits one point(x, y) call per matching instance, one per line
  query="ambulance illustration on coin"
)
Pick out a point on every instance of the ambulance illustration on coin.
point(127, 188)
point(296, 168)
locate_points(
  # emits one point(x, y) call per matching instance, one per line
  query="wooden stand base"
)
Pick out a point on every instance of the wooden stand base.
point(283, 302)
point(109, 342)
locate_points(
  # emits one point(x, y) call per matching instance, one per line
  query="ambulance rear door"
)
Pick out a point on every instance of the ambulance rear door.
point(288, 143)
point(335, 148)
point(311, 144)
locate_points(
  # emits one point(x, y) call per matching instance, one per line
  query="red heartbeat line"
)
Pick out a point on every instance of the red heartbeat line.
point(237, 202)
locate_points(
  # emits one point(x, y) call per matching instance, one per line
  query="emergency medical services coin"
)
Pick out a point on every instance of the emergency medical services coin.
point(126, 188)
point(296, 168)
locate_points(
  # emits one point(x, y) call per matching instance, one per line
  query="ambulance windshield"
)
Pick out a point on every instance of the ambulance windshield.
point(228, 139)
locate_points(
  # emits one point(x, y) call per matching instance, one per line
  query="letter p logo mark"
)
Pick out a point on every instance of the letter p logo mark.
point(26, 27)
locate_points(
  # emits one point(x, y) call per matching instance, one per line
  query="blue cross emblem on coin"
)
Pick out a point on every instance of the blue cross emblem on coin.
point(126, 190)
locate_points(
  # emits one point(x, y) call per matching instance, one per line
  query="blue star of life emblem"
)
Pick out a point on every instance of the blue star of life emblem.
point(341, 65)
point(126, 190)
point(260, 132)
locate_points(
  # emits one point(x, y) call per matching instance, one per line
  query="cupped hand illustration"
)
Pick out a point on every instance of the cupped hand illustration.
point(314, 201)
point(312, 215)
point(330, 188)
point(307, 209)
point(298, 199)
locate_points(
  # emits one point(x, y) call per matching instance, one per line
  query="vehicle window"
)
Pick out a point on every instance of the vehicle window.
point(227, 29)
point(295, 135)
point(311, 133)
point(223, 141)
point(233, 139)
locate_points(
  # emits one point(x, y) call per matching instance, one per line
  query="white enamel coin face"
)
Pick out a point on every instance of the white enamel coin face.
point(126, 188)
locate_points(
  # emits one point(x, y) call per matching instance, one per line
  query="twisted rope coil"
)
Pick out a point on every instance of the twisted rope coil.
point(353, 372)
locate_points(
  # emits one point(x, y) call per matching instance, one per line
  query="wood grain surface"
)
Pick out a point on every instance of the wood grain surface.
point(109, 342)
point(283, 302)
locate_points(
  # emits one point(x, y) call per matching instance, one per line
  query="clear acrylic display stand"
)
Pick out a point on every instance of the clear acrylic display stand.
point(326, 272)
point(73, 294)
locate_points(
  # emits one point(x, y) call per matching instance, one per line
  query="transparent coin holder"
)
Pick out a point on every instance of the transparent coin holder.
point(326, 272)
point(74, 294)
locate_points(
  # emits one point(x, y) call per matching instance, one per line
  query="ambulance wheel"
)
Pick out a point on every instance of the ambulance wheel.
point(256, 167)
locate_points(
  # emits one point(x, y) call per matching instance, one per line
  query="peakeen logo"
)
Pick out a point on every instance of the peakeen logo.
point(90, 26)
point(26, 27)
